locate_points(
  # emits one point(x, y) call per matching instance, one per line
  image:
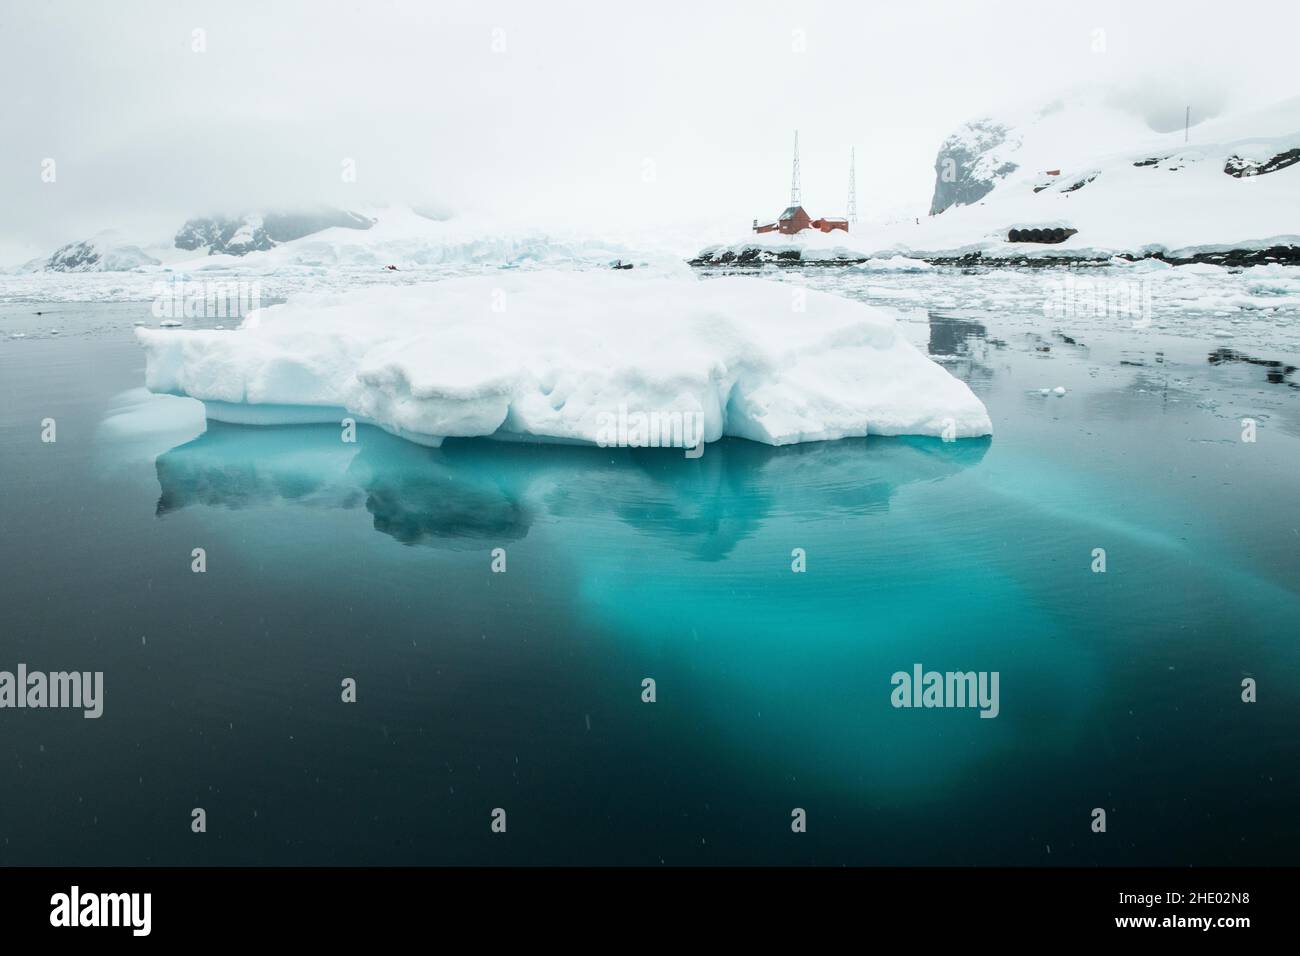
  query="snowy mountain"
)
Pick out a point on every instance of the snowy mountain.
point(104, 252)
point(988, 151)
point(111, 251)
point(1086, 178)
point(257, 232)
point(970, 162)
point(336, 241)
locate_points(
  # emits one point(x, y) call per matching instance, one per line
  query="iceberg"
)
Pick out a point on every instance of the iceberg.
point(557, 355)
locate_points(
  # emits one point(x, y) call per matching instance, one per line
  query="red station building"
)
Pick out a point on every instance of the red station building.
point(796, 219)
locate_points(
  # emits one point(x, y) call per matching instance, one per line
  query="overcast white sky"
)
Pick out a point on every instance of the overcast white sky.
point(560, 126)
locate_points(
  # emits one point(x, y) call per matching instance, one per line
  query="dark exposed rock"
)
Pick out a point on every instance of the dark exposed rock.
point(1284, 255)
point(1154, 162)
point(220, 236)
point(960, 176)
point(254, 233)
point(91, 255)
point(751, 258)
point(74, 257)
point(1238, 167)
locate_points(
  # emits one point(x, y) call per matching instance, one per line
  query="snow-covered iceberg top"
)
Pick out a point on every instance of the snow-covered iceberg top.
point(572, 356)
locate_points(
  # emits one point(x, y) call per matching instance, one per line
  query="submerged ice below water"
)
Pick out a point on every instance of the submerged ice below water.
point(523, 689)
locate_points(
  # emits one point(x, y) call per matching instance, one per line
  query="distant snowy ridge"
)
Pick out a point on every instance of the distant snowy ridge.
point(109, 251)
point(337, 240)
point(257, 232)
point(97, 254)
point(556, 355)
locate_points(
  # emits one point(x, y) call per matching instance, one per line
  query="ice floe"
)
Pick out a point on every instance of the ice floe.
point(560, 355)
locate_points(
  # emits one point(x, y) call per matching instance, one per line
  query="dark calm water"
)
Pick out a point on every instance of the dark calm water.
point(523, 690)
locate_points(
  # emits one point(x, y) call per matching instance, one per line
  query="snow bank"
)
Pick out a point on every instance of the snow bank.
point(561, 355)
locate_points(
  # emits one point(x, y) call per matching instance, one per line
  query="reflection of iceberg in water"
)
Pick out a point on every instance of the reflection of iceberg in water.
point(421, 495)
point(475, 494)
point(710, 505)
point(412, 492)
point(235, 467)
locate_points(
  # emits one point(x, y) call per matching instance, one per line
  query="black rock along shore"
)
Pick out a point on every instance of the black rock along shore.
point(749, 258)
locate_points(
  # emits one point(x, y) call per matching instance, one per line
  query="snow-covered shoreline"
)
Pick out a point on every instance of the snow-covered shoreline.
point(1089, 169)
point(796, 252)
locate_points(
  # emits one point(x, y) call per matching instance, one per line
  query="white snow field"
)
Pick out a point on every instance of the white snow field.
point(556, 355)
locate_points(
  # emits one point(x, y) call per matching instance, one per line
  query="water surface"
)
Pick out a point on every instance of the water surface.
point(522, 690)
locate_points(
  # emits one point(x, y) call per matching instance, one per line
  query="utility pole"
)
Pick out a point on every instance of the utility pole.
point(794, 180)
point(1187, 123)
point(852, 212)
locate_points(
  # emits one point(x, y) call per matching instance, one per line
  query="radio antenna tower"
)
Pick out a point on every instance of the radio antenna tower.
point(794, 180)
point(852, 212)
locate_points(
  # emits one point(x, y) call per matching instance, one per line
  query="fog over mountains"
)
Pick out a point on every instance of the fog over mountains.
point(153, 114)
